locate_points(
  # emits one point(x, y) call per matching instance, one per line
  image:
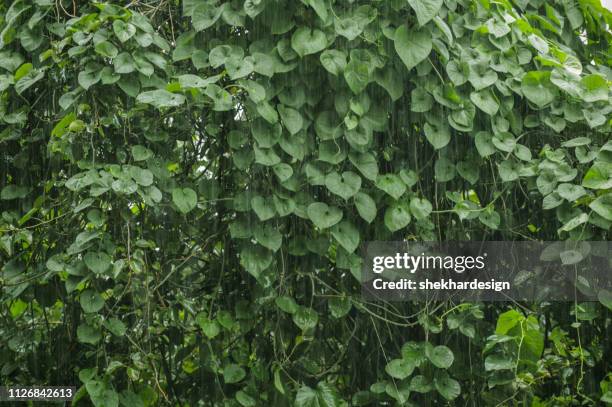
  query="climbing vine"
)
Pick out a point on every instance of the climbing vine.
point(184, 187)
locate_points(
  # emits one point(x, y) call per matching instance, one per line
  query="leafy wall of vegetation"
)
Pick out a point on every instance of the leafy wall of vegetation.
point(184, 187)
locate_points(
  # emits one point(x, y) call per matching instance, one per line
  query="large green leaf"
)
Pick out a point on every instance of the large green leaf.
point(324, 216)
point(344, 185)
point(306, 41)
point(412, 46)
point(161, 98)
point(425, 9)
point(185, 199)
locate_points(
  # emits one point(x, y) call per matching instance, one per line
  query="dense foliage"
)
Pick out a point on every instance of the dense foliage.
point(184, 187)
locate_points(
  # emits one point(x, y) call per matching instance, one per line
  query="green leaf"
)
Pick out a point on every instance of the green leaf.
point(347, 235)
point(574, 222)
point(115, 326)
point(412, 46)
point(391, 184)
point(537, 88)
point(13, 192)
point(98, 262)
point(283, 171)
point(420, 100)
point(91, 301)
point(420, 208)
point(233, 373)
point(106, 49)
point(205, 15)
point(602, 206)
point(323, 396)
point(440, 356)
point(292, 119)
point(324, 216)
point(444, 169)
point(397, 217)
point(124, 31)
point(286, 304)
point(319, 7)
point(366, 207)
point(339, 306)
point(490, 219)
point(498, 362)
point(345, 185)
point(268, 236)
point(357, 75)
point(484, 144)
point(306, 318)
point(596, 88)
point(185, 199)
point(486, 101)
point(141, 153)
point(88, 334)
point(334, 61)
point(599, 176)
point(399, 368)
point(366, 164)
point(263, 208)
point(509, 171)
point(29, 79)
point(447, 387)
point(255, 259)
point(306, 41)
point(425, 9)
point(123, 63)
point(508, 320)
point(571, 192)
point(245, 400)
point(161, 98)
point(605, 297)
point(437, 134)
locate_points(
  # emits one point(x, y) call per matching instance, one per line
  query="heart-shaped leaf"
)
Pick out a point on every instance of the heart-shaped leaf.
point(392, 184)
point(91, 301)
point(347, 235)
point(185, 199)
point(268, 236)
point(366, 207)
point(399, 368)
point(323, 216)
point(345, 185)
point(397, 217)
point(264, 208)
point(420, 208)
point(98, 262)
point(306, 41)
point(412, 46)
